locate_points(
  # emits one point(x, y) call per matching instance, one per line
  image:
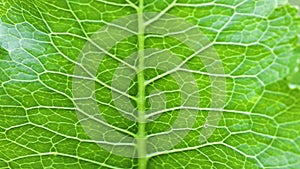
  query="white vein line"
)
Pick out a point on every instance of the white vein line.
point(208, 109)
point(50, 107)
point(177, 67)
point(160, 14)
point(205, 5)
point(182, 149)
point(112, 3)
point(106, 124)
point(201, 146)
point(76, 138)
point(132, 4)
point(65, 155)
point(218, 75)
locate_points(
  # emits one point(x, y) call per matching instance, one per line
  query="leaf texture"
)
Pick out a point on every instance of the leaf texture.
point(256, 44)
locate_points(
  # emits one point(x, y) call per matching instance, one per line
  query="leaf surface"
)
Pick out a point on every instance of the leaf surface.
point(256, 47)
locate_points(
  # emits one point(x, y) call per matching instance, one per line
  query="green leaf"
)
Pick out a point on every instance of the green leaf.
point(149, 84)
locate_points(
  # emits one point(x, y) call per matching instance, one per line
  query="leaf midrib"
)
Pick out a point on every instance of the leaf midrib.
point(141, 137)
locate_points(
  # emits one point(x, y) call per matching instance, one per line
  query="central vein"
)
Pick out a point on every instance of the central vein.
point(141, 135)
